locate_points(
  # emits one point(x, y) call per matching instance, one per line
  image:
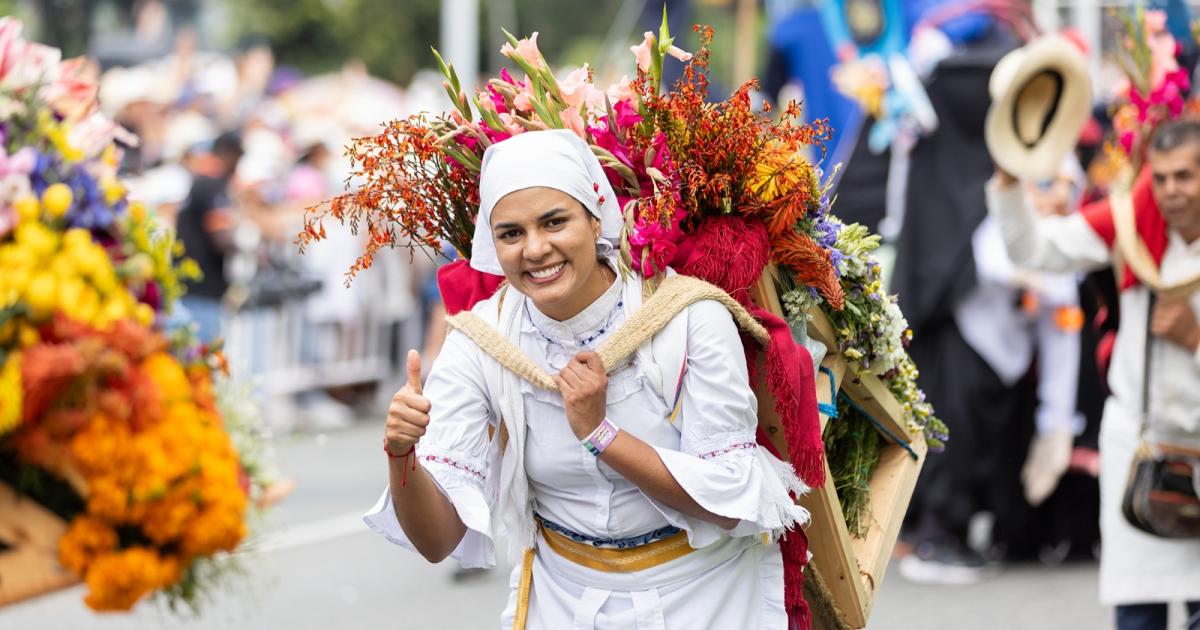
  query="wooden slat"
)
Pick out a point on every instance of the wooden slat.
point(892, 486)
point(833, 556)
point(876, 399)
point(30, 567)
point(827, 391)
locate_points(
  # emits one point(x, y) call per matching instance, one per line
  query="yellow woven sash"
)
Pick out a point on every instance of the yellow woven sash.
point(646, 556)
point(619, 560)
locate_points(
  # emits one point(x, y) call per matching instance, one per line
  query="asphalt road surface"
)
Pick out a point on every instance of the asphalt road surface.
point(312, 565)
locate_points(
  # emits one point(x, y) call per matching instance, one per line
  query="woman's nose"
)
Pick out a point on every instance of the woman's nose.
point(536, 246)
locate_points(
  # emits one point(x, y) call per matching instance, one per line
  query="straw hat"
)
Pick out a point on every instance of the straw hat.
point(1041, 99)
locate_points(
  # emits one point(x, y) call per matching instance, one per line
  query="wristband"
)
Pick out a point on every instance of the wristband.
point(600, 437)
point(404, 455)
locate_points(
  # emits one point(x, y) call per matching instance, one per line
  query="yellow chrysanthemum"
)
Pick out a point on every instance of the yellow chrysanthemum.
point(10, 393)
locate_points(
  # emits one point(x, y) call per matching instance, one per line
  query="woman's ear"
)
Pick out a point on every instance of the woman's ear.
point(595, 226)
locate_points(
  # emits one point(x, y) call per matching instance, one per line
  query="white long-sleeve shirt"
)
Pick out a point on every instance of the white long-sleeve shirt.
point(732, 580)
point(1068, 243)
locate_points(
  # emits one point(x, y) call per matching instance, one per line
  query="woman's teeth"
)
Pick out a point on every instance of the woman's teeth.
point(546, 273)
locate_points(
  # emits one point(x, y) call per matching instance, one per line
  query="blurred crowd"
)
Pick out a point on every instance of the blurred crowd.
point(1014, 360)
point(232, 149)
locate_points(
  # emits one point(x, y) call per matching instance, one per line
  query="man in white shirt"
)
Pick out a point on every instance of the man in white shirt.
point(1139, 573)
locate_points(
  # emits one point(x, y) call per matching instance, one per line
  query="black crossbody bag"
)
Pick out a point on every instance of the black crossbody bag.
point(1162, 494)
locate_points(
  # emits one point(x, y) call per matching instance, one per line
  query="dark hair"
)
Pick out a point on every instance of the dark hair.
point(1174, 134)
point(228, 144)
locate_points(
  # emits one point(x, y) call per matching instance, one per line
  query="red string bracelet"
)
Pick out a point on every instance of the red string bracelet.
point(405, 456)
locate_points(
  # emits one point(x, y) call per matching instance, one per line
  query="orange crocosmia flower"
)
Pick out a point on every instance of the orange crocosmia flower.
point(811, 264)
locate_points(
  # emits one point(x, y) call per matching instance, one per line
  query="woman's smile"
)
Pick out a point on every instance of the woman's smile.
point(546, 275)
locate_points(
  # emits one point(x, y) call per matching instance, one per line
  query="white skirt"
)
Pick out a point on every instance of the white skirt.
point(1135, 567)
point(733, 583)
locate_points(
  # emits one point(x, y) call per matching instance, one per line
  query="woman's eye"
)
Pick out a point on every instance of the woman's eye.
point(556, 221)
point(509, 235)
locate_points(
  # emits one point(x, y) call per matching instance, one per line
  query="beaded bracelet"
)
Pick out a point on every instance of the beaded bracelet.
point(600, 437)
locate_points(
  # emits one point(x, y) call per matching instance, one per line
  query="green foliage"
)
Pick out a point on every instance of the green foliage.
point(852, 448)
point(391, 38)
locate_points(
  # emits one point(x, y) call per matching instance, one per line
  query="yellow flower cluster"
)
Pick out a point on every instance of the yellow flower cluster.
point(176, 478)
point(10, 392)
point(47, 271)
point(155, 257)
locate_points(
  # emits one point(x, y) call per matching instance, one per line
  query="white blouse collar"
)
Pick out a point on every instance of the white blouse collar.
point(588, 326)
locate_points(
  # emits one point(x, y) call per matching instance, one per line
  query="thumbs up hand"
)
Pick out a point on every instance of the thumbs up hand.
point(408, 415)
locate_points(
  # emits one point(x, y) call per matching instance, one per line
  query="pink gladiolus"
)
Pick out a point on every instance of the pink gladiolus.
point(626, 114)
point(642, 51)
point(510, 123)
point(573, 120)
point(489, 103)
point(94, 133)
point(468, 140)
point(1155, 21)
point(574, 87)
point(526, 49)
point(522, 102)
point(679, 54)
point(622, 91)
point(495, 101)
point(507, 78)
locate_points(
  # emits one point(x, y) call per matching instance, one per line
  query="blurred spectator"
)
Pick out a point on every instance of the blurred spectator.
point(205, 226)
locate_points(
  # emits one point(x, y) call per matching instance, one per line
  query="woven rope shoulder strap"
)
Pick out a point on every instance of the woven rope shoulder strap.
point(1133, 252)
point(674, 295)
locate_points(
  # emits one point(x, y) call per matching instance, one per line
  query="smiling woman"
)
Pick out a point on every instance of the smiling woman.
point(546, 243)
point(637, 494)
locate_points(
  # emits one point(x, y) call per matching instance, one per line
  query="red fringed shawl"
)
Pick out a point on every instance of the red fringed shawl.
point(1151, 226)
point(732, 253)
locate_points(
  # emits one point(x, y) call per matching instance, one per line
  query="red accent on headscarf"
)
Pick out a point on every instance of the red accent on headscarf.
point(463, 287)
point(1151, 226)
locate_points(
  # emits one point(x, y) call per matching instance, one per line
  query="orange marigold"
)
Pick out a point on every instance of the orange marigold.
point(86, 539)
point(117, 581)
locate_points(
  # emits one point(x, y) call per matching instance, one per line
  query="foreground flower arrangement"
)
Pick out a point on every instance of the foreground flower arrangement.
point(106, 418)
point(679, 165)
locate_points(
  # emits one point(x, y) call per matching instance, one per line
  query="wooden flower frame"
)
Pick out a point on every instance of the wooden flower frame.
point(849, 569)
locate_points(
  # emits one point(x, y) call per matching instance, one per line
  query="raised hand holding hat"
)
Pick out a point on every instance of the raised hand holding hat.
point(1041, 100)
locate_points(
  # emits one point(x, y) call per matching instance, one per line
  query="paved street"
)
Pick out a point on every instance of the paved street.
point(316, 567)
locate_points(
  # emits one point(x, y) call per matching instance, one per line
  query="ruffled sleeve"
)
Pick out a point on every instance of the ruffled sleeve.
point(719, 463)
point(456, 452)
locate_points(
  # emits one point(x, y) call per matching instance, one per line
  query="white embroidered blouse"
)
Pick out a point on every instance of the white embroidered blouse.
point(709, 447)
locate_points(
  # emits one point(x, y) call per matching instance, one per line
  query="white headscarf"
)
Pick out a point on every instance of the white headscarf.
point(555, 159)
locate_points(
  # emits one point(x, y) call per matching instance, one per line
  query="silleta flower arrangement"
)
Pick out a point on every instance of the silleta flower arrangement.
point(106, 418)
point(714, 190)
point(1156, 87)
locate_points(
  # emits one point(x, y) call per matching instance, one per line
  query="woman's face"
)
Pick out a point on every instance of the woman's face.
point(546, 243)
